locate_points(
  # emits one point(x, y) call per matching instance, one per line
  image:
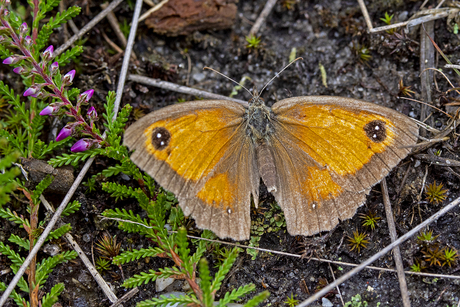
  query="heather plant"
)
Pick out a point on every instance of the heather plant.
point(40, 268)
point(48, 93)
point(175, 247)
point(21, 48)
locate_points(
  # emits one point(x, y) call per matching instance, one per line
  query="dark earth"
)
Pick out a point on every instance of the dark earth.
point(329, 34)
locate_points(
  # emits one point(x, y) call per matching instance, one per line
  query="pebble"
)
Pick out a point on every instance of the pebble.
point(326, 302)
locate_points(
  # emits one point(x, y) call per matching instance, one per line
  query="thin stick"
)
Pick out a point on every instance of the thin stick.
point(338, 289)
point(85, 168)
point(88, 27)
point(263, 15)
point(365, 14)
point(125, 297)
point(396, 251)
point(340, 263)
point(115, 26)
point(181, 89)
point(384, 251)
point(153, 9)
point(100, 281)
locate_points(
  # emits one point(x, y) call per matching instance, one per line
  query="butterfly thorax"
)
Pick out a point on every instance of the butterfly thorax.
point(259, 124)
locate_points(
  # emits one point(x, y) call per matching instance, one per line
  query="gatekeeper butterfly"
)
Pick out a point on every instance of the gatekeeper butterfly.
point(318, 155)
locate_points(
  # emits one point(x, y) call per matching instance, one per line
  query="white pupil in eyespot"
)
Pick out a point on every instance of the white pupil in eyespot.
point(377, 128)
point(158, 135)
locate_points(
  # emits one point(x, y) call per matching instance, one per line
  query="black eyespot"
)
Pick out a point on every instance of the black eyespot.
point(376, 131)
point(160, 138)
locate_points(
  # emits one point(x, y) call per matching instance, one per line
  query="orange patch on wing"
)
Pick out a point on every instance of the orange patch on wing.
point(198, 141)
point(218, 192)
point(320, 186)
point(334, 136)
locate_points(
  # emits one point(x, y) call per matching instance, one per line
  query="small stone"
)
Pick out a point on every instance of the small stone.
point(162, 283)
point(86, 238)
point(51, 249)
point(326, 302)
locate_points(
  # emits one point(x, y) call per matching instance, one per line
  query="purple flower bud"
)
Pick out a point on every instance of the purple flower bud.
point(6, 12)
point(41, 95)
point(31, 91)
point(19, 70)
point(12, 60)
point(23, 28)
point(65, 133)
point(92, 114)
point(54, 67)
point(48, 53)
point(28, 41)
point(50, 110)
point(82, 145)
point(85, 96)
point(68, 77)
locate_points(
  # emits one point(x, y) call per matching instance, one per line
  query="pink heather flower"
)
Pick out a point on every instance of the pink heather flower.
point(11, 60)
point(48, 53)
point(49, 110)
point(30, 91)
point(85, 96)
point(23, 28)
point(19, 70)
point(65, 133)
point(68, 77)
point(53, 67)
point(28, 40)
point(41, 95)
point(92, 113)
point(82, 145)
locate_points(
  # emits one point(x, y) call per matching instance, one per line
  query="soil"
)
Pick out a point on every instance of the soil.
point(331, 34)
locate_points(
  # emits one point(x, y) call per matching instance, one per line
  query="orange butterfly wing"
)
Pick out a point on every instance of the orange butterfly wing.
point(199, 151)
point(329, 152)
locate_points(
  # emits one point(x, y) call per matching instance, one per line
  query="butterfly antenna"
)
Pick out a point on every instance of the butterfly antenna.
point(228, 79)
point(278, 74)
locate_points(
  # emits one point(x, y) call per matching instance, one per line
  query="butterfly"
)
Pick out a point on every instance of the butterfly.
point(318, 155)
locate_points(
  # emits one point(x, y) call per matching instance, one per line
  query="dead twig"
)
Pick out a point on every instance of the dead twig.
point(340, 263)
point(384, 251)
point(396, 251)
point(88, 27)
point(263, 15)
point(181, 89)
point(338, 290)
point(430, 15)
point(125, 297)
point(92, 270)
point(153, 9)
point(115, 26)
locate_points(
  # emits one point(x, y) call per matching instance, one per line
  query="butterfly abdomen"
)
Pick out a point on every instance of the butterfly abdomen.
point(266, 165)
